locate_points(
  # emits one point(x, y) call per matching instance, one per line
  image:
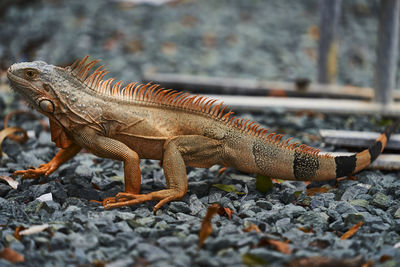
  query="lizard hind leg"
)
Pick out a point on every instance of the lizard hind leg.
point(176, 178)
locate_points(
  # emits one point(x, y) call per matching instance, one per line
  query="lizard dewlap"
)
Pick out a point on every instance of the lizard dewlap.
point(134, 121)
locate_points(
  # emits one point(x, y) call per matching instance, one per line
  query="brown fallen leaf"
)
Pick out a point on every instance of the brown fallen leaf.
point(313, 32)
point(9, 132)
point(222, 211)
point(206, 227)
point(17, 138)
point(252, 227)
point(316, 190)
point(306, 229)
point(350, 177)
point(17, 230)
point(351, 231)
point(11, 255)
point(319, 243)
point(384, 258)
point(319, 261)
point(278, 245)
point(11, 182)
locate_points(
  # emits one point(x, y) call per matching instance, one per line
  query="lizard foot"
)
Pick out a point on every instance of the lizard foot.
point(127, 199)
point(34, 173)
point(111, 200)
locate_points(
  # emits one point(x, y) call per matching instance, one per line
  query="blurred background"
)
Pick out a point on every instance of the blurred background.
point(260, 39)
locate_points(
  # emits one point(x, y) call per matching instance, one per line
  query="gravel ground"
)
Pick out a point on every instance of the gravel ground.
point(83, 233)
point(224, 38)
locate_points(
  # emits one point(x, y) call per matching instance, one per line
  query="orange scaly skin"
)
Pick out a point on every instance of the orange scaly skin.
point(137, 121)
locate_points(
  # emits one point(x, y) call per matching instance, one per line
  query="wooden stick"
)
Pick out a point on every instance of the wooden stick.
point(357, 139)
point(235, 86)
point(331, 106)
point(388, 35)
point(327, 46)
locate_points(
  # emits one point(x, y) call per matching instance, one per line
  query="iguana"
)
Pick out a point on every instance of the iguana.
point(137, 121)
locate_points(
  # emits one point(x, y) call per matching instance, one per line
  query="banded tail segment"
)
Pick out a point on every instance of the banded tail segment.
point(347, 165)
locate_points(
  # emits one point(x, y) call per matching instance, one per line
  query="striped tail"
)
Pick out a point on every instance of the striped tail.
point(346, 165)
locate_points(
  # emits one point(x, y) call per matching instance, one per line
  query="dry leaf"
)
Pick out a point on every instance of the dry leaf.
point(252, 227)
point(319, 243)
point(11, 182)
point(221, 171)
point(384, 258)
point(206, 227)
point(278, 245)
point(222, 211)
point(319, 261)
point(11, 255)
point(9, 132)
point(316, 190)
point(350, 177)
point(313, 32)
point(17, 230)
point(263, 183)
point(351, 231)
point(34, 229)
point(306, 229)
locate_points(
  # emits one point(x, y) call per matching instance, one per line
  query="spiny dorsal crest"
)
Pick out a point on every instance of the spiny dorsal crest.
point(153, 93)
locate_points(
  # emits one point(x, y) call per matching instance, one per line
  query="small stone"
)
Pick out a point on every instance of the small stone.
point(303, 200)
point(292, 211)
point(179, 206)
point(152, 253)
point(359, 203)
point(315, 203)
point(355, 190)
point(314, 219)
point(287, 195)
point(354, 218)
point(344, 208)
point(338, 226)
point(380, 200)
point(40, 189)
point(146, 221)
point(266, 205)
point(84, 171)
point(397, 214)
point(4, 189)
point(195, 204)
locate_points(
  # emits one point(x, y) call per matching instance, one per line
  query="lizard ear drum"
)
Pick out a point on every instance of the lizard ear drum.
point(46, 106)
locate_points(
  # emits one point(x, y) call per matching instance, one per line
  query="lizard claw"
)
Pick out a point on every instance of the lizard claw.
point(124, 199)
point(34, 173)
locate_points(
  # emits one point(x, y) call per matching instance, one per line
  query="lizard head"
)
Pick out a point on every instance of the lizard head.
point(32, 80)
point(54, 91)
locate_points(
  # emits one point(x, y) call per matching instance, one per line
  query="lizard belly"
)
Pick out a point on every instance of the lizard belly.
point(146, 147)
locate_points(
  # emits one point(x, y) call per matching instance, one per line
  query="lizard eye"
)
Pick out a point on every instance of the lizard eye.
point(47, 106)
point(31, 74)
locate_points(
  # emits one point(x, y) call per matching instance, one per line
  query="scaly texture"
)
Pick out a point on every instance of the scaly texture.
point(146, 121)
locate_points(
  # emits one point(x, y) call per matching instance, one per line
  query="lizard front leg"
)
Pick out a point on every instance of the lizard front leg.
point(110, 148)
point(60, 158)
point(196, 150)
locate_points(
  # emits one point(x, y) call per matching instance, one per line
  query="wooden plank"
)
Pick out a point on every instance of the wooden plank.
point(332, 106)
point(327, 45)
point(236, 86)
point(386, 65)
point(357, 139)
